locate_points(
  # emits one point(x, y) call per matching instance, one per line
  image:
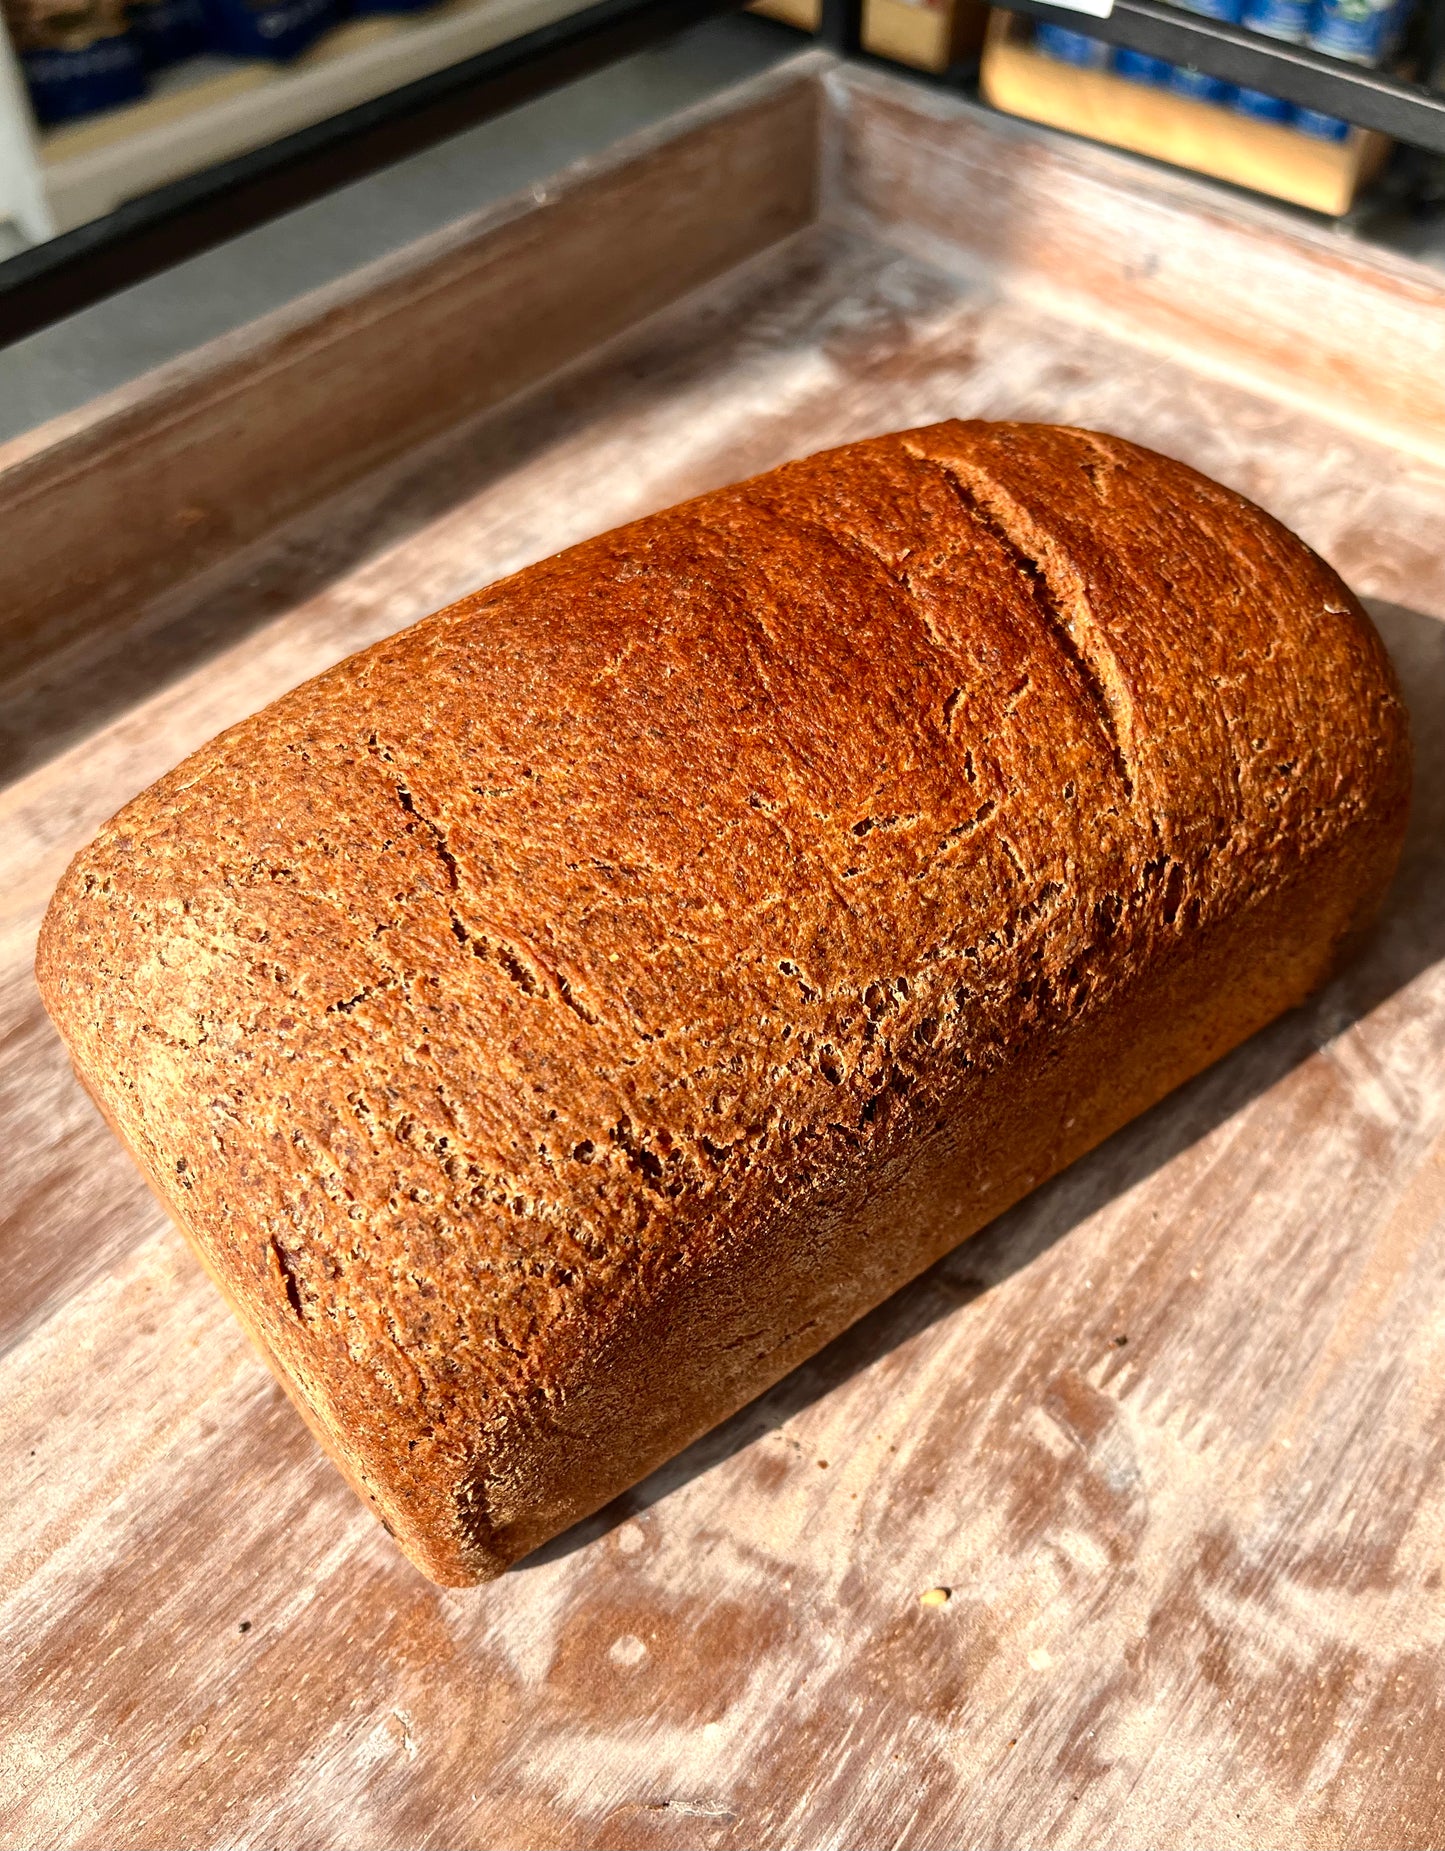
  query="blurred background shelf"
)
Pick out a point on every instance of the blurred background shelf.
point(1208, 138)
point(212, 108)
point(931, 37)
point(354, 105)
point(1295, 72)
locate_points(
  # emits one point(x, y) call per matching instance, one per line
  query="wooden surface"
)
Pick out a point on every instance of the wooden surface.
point(1172, 1434)
point(1208, 138)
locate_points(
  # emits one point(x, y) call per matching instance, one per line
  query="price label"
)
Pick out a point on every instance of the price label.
point(1096, 9)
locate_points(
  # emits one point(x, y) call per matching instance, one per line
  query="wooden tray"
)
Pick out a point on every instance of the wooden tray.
point(1173, 1433)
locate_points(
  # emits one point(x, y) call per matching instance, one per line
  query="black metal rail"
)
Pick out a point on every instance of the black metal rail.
point(1407, 111)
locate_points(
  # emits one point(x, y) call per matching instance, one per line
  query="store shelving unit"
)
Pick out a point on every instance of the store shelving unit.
point(224, 144)
point(1394, 106)
point(1205, 137)
point(230, 145)
point(211, 109)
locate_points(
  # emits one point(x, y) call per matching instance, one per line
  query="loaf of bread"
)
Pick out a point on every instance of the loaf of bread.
point(554, 1023)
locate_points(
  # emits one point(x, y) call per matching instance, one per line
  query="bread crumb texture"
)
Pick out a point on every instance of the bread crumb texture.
point(557, 1020)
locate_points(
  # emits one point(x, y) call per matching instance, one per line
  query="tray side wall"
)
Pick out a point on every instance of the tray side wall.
point(1235, 285)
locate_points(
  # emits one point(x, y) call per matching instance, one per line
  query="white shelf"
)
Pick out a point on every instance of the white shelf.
point(213, 108)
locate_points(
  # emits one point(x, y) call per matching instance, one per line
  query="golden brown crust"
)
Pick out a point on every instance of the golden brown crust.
point(557, 1020)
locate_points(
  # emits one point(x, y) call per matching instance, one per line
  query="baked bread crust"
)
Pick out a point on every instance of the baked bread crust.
point(556, 1021)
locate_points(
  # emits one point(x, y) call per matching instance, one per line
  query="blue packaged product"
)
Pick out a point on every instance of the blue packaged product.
point(1071, 47)
point(277, 29)
point(1184, 80)
point(1262, 106)
point(1323, 128)
point(168, 30)
point(1140, 68)
point(77, 61)
point(1361, 31)
point(1280, 19)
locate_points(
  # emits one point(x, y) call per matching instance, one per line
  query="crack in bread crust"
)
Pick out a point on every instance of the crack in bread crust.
point(1063, 604)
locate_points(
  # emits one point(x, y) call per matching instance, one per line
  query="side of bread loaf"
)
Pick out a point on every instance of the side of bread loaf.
point(555, 1022)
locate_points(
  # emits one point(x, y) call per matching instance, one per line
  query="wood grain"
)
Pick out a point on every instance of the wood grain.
point(1172, 1433)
